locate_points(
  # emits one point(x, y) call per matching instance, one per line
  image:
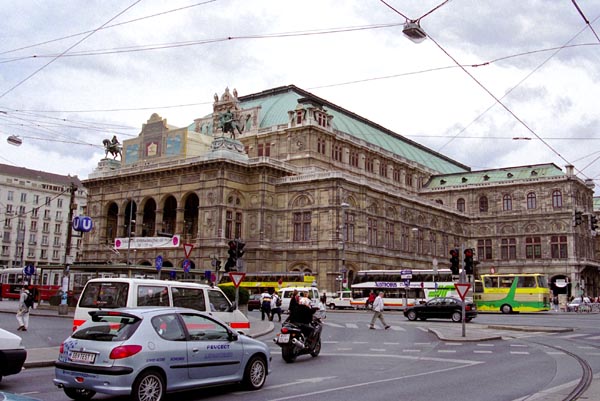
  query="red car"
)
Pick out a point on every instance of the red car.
point(254, 302)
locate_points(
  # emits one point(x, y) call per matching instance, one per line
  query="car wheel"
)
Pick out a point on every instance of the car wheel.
point(149, 386)
point(506, 309)
point(255, 374)
point(79, 394)
point(317, 350)
point(331, 306)
point(456, 317)
point(411, 315)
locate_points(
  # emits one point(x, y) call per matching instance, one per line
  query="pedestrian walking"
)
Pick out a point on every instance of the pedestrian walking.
point(265, 305)
point(25, 303)
point(275, 306)
point(370, 300)
point(378, 312)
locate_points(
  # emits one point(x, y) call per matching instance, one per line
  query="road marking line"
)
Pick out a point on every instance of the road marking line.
point(333, 324)
point(360, 342)
point(352, 325)
point(311, 394)
point(377, 349)
point(397, 328)
point(330, 342)
point(481, 351)
point(594, 338)
point(486, 345)
point(391, 343)
point(422, 344)
point(519, 345)
point(446, 350)
point(454, 344)
point(519, 352)
point(573, 335)
point(411, 350)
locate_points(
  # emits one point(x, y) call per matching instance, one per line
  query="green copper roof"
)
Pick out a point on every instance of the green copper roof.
point(522, 173)
point(276, 103)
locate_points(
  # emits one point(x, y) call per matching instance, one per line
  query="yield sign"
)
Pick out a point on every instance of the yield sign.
point(187, 248)
point(462, 289)
point(236, 278)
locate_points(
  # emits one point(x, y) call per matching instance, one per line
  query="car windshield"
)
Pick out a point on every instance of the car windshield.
point(108, 328)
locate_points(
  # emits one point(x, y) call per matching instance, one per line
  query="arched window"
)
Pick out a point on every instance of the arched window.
point(531, 200)
point(441, 202)
point(460, 205)
point(507, 202)
point(483, 204)
point(556, 199)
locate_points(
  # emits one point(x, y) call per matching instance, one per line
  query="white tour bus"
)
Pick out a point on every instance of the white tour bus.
point(110, 293)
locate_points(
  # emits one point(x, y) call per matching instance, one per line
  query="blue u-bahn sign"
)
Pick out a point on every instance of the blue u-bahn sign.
point(83, 224)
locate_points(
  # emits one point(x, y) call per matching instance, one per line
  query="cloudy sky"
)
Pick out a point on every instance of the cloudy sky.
point(75, 72)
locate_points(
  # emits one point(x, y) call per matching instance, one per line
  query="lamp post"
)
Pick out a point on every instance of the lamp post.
point(131, 221)
point(345, 207)
point(415, 231)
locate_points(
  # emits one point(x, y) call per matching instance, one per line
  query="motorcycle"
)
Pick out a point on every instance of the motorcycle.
point(293, 341)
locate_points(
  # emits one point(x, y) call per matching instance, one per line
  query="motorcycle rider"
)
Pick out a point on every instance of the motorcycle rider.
point(302, 315)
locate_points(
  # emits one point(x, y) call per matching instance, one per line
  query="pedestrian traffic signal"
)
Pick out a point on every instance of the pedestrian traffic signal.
point(469, 261)
point(218, 265)
point(593, 222)
point(454, 261)
point(578, 218)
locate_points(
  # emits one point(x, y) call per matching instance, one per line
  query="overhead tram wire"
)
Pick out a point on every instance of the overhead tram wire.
point(109, 26)
point(506, 93)
point(64, 52)
point(171, 45)
point(498, 101)
point(585, 19)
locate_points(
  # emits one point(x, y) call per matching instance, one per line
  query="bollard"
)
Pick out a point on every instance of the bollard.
point(63, 309)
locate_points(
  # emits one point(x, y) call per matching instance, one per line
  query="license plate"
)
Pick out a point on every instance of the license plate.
point(283, 338)
point(83, 357)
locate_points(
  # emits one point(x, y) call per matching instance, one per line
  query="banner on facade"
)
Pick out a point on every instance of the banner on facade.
point(147, 242)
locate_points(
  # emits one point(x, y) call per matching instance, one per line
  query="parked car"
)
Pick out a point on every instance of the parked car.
point(579, 305)
point(340, 300)
point(442, 308)
point(145, 353)
point(12, 353)
point(254, 302)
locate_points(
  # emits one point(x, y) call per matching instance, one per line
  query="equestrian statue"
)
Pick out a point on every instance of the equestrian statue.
point(113, 147)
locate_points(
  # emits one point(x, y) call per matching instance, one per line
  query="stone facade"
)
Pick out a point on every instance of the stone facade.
point(309, 186)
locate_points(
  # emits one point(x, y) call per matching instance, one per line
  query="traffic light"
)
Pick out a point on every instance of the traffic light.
point(232, 259)
point(578, 218)
point(218, 265)
point(454, 261)
point(240, 248)
point(469, 261)
point(593, 223)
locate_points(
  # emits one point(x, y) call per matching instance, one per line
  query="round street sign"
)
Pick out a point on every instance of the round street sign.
point(29, 270)
point(158, 262)
point(186, 265)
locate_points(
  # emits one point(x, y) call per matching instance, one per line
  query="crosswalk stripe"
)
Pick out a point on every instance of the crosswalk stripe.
point(573, 335)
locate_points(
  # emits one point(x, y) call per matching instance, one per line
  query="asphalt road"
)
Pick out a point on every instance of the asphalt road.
point(404, 363)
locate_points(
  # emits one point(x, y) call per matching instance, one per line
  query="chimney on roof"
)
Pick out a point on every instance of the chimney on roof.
point(569, 168)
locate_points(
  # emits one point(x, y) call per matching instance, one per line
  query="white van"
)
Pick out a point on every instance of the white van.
point(110, 293)
point(286, 294)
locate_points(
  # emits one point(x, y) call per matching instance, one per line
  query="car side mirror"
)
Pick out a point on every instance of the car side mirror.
point(233, 336)
point(232, 307)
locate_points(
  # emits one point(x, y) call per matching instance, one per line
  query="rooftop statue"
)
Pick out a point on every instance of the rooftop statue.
point(113, 147)
point(228, 123)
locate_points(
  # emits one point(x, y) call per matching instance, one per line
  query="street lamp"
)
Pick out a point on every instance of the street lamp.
point(413, 31)
point(415, 231)
point(344, 207)
point(131, 221)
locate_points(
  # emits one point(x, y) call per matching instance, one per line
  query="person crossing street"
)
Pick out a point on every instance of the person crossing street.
point(378, 312)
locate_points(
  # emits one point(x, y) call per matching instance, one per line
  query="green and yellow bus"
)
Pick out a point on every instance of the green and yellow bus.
point(507, 293)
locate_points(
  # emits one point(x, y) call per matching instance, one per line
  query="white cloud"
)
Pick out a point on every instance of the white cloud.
point(557, 100)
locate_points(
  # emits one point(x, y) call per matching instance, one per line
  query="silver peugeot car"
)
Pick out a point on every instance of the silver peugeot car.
point(148, 352)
